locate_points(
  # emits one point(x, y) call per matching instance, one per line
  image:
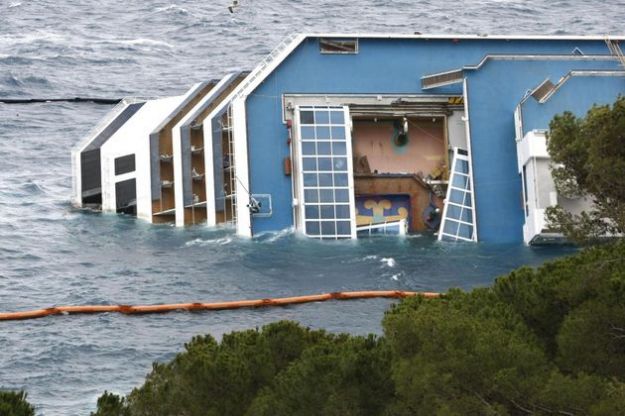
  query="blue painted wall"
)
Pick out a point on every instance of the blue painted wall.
point(576, 95)
point(494, 92)
point(382, 66)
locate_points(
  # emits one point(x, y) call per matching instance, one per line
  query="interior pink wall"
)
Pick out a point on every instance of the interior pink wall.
point(424, 152)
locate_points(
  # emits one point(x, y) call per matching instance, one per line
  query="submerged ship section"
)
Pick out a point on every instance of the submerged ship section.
point(344, 137)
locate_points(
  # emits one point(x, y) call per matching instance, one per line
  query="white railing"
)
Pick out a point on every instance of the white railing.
point(384, 228)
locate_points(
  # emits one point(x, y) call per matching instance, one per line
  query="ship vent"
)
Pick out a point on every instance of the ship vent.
point(442, 79)
point(543, 90)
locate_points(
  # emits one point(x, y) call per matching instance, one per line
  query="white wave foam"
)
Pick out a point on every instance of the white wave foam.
point(395, 276)
point(173, 7)
point(275, 236)
point(38, 36)
point(141, 42)
point(371, 257)
point(388, 261)
point(15, 4)
point(202, 243)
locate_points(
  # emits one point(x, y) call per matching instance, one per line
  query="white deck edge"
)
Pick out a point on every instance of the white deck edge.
point(426, 36)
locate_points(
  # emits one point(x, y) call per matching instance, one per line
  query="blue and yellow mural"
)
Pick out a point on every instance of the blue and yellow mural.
point(378, 209)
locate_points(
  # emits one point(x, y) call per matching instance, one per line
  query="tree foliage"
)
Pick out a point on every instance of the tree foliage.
point(546, 341)
point(14, 403)
point(589, 157)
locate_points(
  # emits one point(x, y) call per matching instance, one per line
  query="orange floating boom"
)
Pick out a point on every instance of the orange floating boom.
point(216, 306)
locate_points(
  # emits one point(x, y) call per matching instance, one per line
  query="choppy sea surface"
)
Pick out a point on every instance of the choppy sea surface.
point(51, 254)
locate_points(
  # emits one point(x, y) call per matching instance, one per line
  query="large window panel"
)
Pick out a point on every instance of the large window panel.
point(458, 222)
point(326, 174)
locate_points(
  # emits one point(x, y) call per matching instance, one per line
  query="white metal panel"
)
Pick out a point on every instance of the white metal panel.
point(239, 130)
point(209, 172)
point(133, 138)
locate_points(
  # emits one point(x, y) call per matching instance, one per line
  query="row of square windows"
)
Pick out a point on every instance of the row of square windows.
point(325, 179)
point(461, 198)
point(312, 133)
point(329, 228)
point(314, 164)
point(454, 228)
point(460, 213)
point(324, 148)
point(322, 116)
point(339, 195)
point(327, 212)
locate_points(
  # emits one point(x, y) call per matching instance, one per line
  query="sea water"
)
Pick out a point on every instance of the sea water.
point(52, 254)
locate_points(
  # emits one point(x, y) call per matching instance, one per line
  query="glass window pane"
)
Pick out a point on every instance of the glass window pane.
point(326, 195)
point(306, 117)
point(325, 179)
point(467, 215)
point(328, 228)
point(454, 211)
point(339, 149)
point(342, 211)
point(308, 133)
point(338, 133)
point(322, 117)
point(325, 163)
point(451, 227)
point(460, 181)
point(457, 197)
point(341, 195)
point(324, 148)
point(308, 148)
point(467, 200)
point(340, 163)
point(462, 166)
point(312, 211)
point(336, 117)
point(311, 195)
point(341, 179)
point(309, 163)
point(343, 227)
point(323, 133)
point(465, 231)
point(312, 227)
point(310, 179)
point(327, 212)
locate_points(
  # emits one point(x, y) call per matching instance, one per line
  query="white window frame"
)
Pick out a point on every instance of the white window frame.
point(298, 177)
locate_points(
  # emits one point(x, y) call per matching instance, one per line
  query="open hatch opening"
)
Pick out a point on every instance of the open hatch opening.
point(400, 169)
point(399, 152)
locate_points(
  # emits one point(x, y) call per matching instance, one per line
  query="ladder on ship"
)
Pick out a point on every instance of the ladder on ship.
point(231, 181)
point(615, 49)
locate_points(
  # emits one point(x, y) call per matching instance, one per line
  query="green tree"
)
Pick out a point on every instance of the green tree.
point(589, 157)
point(15, 404)
point(343, 375)
point(540, 341)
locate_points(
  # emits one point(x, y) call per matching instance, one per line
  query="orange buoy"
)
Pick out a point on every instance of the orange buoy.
point(215, 306)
